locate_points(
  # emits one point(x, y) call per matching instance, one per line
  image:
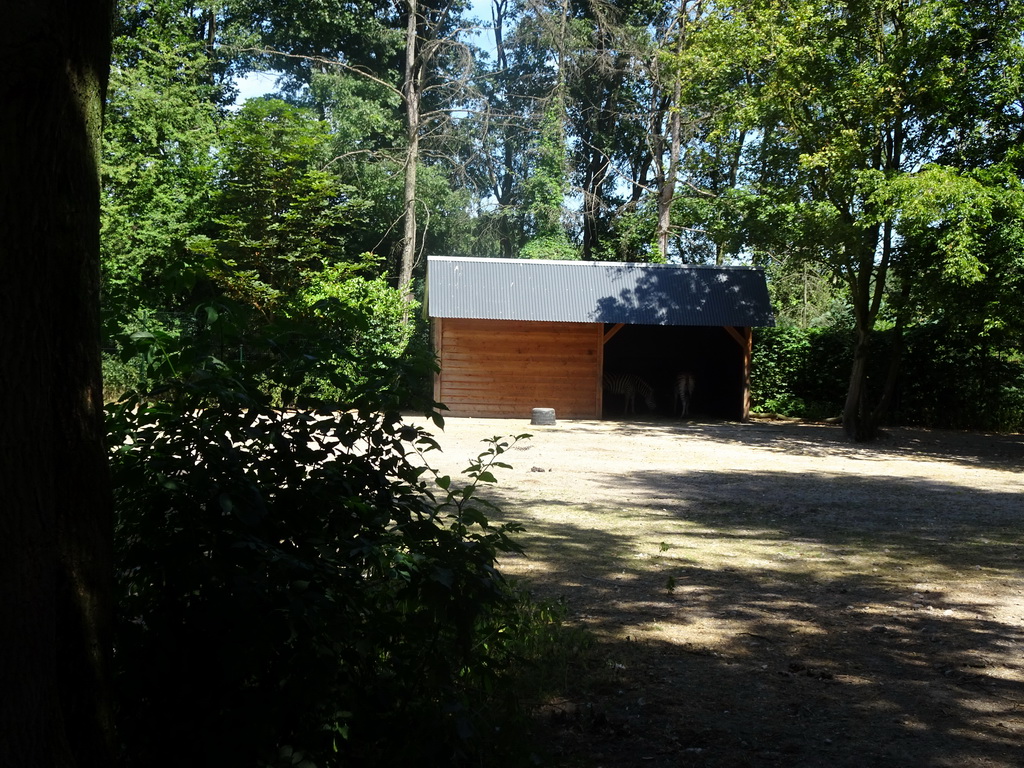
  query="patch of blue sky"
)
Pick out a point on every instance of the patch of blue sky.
point(254, 85)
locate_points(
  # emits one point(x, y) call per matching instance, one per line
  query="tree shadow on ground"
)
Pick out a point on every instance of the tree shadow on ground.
point(832, 629)
point(998, 451)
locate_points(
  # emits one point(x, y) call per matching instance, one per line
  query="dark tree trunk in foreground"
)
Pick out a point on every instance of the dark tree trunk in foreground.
point(55, 510)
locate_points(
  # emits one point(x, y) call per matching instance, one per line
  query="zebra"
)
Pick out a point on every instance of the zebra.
point(628, 385)
point(683, 392)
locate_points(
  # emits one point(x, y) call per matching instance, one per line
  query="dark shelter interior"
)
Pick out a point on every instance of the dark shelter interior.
point(656, 353)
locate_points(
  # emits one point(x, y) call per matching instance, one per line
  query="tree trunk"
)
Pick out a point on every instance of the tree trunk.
point(56, 521)
point(858, 421)
point(667, 177)
point(597, 164)
point(411, 96)
point(504, 182)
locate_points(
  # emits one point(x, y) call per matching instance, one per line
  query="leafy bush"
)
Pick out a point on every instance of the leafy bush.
point(292, 589)
point(957, 378)
point(951, 376)
point(297, 587)
point(779, 355)
point(357, 328)
point(556, 247)
point(119, 377)
point(800, 371)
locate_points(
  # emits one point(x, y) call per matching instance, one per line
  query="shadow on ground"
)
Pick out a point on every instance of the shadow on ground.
point(783, 619)
point(816, 439)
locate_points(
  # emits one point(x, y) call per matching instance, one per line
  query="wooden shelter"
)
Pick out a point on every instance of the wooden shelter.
point(516, 334)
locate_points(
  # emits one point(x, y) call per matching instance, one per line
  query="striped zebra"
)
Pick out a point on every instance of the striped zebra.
point(682, 393)
point(629, 386)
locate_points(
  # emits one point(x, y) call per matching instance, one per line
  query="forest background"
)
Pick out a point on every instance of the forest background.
point(866, 154)
point(293, 587)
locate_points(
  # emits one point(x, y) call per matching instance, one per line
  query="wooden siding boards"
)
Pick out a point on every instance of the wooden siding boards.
point(506, 368)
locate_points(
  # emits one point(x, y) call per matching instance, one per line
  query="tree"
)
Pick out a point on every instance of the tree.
point(410, 50)
point(56, 524)
point(669, 139)
point(435, 80)
point(500, 155)
point(853, 102)
point(278, 212)
point(160, 129)
point(412, 93)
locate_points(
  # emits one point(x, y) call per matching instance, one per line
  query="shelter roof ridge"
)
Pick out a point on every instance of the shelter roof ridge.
point(578, 264)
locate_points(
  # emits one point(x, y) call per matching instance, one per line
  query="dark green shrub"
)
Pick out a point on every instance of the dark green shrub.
point(119, 377)
point(356, 328)
point(950, 376)
point(801, 371)
point(291, 588)
point(779, 356)
point(953, 377)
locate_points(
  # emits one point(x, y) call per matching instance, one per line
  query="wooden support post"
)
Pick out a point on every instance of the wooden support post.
point(612, 331)
point(745, 338)
point(599, 400)
point(437, 340)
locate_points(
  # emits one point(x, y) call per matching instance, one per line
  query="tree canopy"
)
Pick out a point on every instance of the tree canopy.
point(865, 154)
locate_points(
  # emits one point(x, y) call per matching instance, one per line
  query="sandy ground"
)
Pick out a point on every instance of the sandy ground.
point(766, 594)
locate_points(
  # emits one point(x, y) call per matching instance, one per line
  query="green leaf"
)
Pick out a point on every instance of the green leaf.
point(443, 576)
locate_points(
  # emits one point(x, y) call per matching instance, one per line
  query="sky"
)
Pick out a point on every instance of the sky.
point(254, 84)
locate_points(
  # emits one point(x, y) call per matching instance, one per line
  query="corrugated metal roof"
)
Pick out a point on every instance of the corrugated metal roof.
point(597, 292)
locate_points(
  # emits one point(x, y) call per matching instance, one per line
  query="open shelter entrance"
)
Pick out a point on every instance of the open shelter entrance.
point(714, 356)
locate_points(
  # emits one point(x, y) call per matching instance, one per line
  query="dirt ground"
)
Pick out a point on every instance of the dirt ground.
point(766, 594)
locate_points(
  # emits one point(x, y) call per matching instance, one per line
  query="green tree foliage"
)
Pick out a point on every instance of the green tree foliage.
point(494, 150)
point(159, 166)
point(279, 214)
point(301, 40)
point(863, 150)
point(365, 351)
point(516, 150)
point(951, 376)
point(801, 371)
point(858, 110)
point(234, 214)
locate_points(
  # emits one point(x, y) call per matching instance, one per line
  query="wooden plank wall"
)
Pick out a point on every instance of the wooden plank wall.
point(506, 368)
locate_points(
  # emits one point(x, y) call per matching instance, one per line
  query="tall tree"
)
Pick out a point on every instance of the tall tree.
point(854, 101)
point(599, 94)
point(501, 154)
point(547, 26)
point(413, 83)
point(412, 51)
point(55, 523)
point(163, 111)
point(279, 213)
point(669, 131)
